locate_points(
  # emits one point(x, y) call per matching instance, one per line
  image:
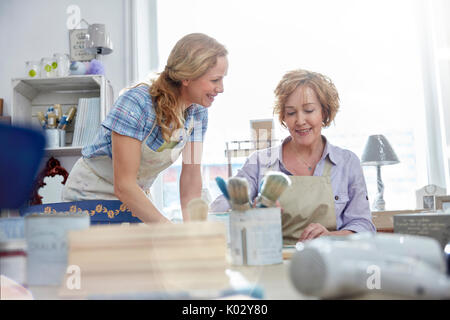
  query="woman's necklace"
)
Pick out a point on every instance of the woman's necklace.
point(307, 164)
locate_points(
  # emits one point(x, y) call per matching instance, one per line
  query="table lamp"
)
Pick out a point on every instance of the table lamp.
point(378, 152)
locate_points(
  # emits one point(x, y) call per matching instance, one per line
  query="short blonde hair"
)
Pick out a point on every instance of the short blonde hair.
point(322, 86)
point(192, 56)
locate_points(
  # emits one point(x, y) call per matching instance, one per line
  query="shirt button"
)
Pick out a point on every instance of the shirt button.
point(336, 198)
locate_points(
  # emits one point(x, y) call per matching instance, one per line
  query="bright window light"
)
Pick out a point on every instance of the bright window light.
point(368, 48)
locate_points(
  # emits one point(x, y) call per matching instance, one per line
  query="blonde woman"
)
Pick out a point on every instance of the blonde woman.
point(149, 127)
point(328, 194)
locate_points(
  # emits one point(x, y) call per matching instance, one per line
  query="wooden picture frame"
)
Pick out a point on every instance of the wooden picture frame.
point(51, 169)
point(426, 196)
point(442, 202)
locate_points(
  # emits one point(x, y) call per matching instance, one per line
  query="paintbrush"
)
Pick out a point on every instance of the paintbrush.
point(238, 192)
point(197, 209)
point(223, 187)
point(274, 184)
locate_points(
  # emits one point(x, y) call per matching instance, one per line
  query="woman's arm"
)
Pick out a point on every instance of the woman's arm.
point(126, 156)
point(357, 215)
point(191, 176)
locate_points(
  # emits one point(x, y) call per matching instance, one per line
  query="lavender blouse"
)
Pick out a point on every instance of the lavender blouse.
point(347, 181)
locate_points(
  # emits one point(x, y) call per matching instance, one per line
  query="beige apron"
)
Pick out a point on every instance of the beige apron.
point(309, 199)
point(93, 178)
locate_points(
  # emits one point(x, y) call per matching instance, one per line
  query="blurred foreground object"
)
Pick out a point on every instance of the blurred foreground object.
point(332, 267)
point(21, 153)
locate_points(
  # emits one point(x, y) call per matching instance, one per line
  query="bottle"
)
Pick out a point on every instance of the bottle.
point(67, 118)
point(51, 118)
point(71, 114)
point(41, 117)
point(49, 110)
point(58, 111)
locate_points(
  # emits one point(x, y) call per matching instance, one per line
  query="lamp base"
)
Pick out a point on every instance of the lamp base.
point(379, 205)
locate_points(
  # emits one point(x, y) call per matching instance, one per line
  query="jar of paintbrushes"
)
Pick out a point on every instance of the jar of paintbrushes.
point(255, 229)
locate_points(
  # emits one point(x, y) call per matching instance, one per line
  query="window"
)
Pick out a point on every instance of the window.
point(369, 49)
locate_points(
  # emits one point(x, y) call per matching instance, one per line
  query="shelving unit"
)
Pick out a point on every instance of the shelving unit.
point(33, 95)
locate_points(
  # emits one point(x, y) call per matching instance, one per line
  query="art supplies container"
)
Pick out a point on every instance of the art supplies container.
point(52, 137)
point(256, 237)
point(46, 237)
point(62, 137)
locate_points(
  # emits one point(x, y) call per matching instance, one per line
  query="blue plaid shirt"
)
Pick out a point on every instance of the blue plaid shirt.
point(133, 115)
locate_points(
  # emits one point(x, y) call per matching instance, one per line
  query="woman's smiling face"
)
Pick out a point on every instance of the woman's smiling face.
point(303, 116)
point(204, 89)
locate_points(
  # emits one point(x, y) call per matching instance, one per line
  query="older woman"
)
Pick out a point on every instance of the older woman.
point(328, 195)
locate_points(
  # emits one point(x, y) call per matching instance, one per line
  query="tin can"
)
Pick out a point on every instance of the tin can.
point(52, 136)
point(46, 236)
point(256, 237)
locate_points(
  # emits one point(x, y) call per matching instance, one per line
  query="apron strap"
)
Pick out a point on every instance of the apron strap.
point(327, 168)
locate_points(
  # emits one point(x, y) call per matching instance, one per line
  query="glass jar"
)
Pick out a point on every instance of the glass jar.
point(61, 64)
point(32, 69)
point(48, 66)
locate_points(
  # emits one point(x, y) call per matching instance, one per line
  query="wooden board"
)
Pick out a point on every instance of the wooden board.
point(384, 220)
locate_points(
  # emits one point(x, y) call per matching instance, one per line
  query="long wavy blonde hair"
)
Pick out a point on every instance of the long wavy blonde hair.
point(191, 57)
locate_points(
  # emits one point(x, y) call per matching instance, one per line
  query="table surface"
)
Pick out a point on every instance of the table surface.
point(273, 279)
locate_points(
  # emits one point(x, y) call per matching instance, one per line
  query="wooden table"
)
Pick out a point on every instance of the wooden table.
point(384, 220)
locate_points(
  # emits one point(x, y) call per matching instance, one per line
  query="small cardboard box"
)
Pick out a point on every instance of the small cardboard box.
point(434, 225)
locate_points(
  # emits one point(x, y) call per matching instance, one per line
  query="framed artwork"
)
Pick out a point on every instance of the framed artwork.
point(77, 43)
point(443, 203)
point(53, 170)
point(426, 197)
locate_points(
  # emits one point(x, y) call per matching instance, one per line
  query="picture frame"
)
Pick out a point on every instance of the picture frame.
point(443, 202)
point(428, 202)
point(77, 45)
point(426, 197)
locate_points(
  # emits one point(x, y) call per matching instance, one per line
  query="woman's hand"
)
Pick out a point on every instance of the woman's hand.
point(314, 230)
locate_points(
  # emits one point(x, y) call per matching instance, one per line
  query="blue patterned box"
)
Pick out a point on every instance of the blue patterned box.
point(100, 211)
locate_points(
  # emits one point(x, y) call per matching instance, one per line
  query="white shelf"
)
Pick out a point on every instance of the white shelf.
point(33, 95)
point(64, 151)
point(30, 87)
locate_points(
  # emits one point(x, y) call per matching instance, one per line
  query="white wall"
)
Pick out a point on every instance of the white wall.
point(30, 30)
